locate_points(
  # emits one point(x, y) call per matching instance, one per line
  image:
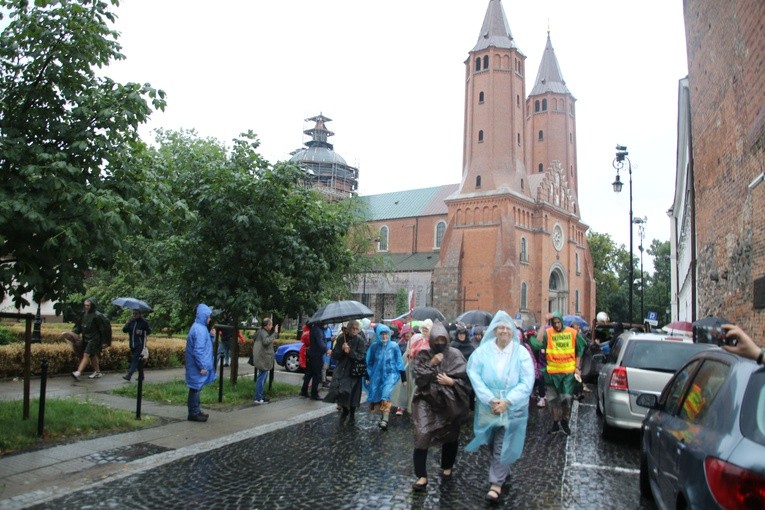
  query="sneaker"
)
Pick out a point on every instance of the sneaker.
point(542, 402)
point(95, 375)
point(383, 424)
point(197, 417)
point(258, 402)
point(76, 375)
point(564, 426)
point(266, 400)
point(400, 411)
point(126, 377)
point(555, 428)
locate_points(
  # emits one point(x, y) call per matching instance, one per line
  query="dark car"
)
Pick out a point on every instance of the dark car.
point(703, 439)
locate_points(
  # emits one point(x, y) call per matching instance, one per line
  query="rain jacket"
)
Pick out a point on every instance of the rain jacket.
point(344, 388)
point(93, 326)
point(438, 410)
point(385, 367)
point(199, 351)
point(513, 383)
point(263, 349)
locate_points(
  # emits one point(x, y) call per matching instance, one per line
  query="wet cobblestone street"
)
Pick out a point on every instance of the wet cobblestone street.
point(322, 463)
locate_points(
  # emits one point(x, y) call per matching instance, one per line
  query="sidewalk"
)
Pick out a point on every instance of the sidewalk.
point(35, 477)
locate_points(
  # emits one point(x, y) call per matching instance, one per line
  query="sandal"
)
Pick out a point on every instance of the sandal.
point(446, 475)
point(493, 494)
point(419, 487)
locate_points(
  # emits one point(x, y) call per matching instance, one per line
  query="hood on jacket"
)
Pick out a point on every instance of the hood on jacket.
point(379, 329)
point(203, 313)
point(93, 304)
point(504, 319)
point(439, 330)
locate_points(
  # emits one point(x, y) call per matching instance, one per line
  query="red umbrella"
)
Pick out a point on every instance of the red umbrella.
point(679, 327)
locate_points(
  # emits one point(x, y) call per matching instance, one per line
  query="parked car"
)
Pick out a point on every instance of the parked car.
point(287, 356)
point(638, 363)
point(703, 439)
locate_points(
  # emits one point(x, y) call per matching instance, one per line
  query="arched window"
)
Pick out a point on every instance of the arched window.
point(541, 168)
point(524, 292)
point(524, 252)
point(440, 229)
point(480, 136)
point(554, 282)
point(577, 267)
point(576, 300)
point(382, 244)
point(518, 100)
point(478, 182)
point(485, 61)
point(480, 97)
point(544, 105)
point(478, 64)
point(536, 105)
point(541, 135)
point(519, 139)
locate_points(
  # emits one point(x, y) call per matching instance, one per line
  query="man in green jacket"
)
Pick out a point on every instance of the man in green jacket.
point(94, 328)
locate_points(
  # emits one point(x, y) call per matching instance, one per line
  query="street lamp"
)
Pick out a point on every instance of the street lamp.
point(618, 164)
point(640, 222)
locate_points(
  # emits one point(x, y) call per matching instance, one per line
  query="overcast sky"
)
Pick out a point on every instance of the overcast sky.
point(390, 75)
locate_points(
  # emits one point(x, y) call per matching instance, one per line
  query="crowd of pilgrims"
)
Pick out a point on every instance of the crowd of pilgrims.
point(443, 375)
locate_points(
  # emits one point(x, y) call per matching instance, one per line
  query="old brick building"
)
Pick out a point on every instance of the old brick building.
point(721, 243)
point(509, 235)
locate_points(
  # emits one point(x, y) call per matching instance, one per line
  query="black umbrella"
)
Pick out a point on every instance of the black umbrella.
point(421, 313)
point(475, 318)
point(708, 330)
point(132, 304)
point(341, 311)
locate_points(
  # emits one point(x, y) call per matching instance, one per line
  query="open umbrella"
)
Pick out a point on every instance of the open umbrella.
point(475, 318)
point(341, 311)
point(679, 328)
point(708, 331)
point(132, 304)
point(421, 313)
point(571, 319)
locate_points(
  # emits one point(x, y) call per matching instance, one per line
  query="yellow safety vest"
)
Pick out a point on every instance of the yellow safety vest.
point(561, 351)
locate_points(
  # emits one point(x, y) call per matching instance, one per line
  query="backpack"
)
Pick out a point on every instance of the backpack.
point(105, 329)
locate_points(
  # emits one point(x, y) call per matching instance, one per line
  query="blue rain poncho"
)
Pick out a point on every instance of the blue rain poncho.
point(199, 350)
point(384, 366)
point(512, 380)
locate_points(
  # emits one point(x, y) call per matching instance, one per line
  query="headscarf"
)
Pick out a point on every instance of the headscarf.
point(501, 318)
point(428, 324)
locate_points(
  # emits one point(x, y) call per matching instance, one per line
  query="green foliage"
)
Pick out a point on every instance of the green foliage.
point(64, 419)
point(70, 154)
point(176, 392)
point(7, 336)
point(402, 302)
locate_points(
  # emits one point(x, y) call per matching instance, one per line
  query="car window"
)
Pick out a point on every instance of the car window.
point(660, 356)
point(753, 410)
point(614, 354)
point(702, 391)
point(672, 394)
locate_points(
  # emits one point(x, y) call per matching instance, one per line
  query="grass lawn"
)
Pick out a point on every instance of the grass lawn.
point(65, 419)
point(176, 392)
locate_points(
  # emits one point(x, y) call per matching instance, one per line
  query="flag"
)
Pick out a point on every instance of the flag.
point(411, 302)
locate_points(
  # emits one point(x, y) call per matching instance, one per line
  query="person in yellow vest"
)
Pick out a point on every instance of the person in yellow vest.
point(563, 355)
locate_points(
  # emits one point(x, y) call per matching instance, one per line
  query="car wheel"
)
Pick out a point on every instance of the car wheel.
point(645, 483)
point(292, 362)
point(606, 430)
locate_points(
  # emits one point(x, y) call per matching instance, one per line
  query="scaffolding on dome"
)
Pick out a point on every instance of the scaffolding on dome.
point(326, 171)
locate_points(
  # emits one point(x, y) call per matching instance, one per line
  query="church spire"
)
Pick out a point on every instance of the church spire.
point(495, 30)
point(549, 77)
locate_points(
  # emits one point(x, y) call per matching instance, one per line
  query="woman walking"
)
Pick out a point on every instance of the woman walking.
point(502, 374)
point(385, 367)
point(440, 403)
point(345, 388)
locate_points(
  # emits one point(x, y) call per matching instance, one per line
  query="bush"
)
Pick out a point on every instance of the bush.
point(6, 336)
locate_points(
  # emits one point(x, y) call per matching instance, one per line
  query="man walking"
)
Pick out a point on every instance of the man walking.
point(138, 331)
point(563, 363)
point(315, 361)
point(96, 331)
point(263, 358)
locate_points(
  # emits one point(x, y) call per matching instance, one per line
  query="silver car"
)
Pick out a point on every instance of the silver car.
point(638, 363)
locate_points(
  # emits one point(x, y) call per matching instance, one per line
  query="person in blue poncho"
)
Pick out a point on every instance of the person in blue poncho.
point(385, 367)
point(502, 375)
point(200, 365)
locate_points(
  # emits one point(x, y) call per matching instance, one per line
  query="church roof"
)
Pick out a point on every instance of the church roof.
point(408, 203)
point(495, 31)
point(549, 77)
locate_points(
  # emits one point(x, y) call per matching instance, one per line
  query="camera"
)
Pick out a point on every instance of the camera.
point(712, 335)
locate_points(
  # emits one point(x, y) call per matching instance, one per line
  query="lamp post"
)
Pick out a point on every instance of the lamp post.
point(640, 222)
point(618, 164)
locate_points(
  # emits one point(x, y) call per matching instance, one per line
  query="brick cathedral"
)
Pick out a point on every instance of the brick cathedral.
point(509, 235)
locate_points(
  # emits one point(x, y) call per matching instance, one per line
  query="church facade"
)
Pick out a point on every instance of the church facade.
point(509, 236)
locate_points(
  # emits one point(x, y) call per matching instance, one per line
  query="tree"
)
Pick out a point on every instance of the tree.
point(68, 145)
point(657, 292)
point(611, 295)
